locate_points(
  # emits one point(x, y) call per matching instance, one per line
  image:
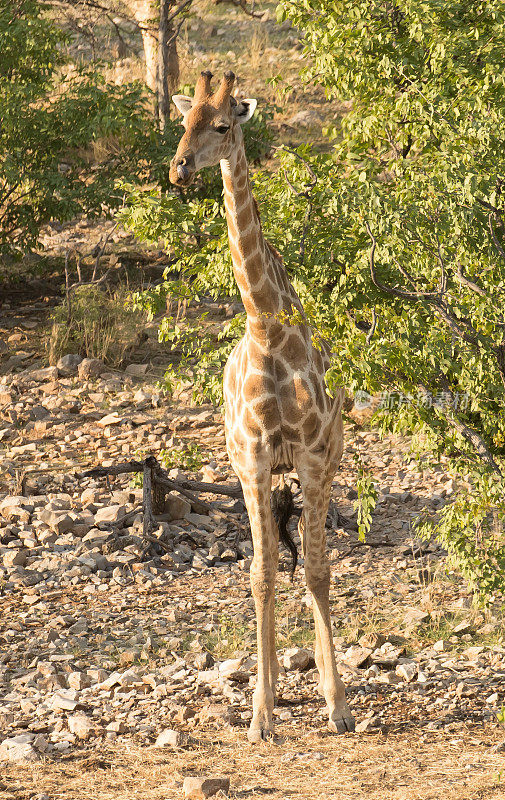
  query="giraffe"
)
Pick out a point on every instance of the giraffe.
point(278, 416)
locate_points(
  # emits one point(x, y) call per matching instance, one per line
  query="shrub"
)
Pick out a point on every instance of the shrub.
point(98, 324)
point(66, 135)
point(397, 248)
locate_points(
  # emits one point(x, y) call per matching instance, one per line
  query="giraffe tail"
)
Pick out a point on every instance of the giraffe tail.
point(283, 508)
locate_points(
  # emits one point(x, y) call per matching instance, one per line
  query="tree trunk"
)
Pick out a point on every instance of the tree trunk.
point(146, 17)
point(168, 61)
point(162, 62)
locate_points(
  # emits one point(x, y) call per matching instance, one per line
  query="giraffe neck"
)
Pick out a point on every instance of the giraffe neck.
point(260, 274)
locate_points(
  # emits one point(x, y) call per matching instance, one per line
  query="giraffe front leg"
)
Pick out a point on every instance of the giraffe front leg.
point(263, 571)
point(263, 698)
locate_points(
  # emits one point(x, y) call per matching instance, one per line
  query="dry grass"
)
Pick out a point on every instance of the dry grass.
point(100, 325)
point(304, 765)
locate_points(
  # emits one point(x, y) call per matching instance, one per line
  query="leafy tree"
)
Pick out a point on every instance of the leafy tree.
point(395, 240)
point(65, 135)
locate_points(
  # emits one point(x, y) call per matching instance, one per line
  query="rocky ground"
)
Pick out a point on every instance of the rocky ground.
point(129, 667)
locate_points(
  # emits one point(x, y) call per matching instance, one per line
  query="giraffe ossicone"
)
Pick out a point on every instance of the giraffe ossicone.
point(278, 415)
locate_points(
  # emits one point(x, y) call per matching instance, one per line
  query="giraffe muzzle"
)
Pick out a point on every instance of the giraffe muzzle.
point(181, 173)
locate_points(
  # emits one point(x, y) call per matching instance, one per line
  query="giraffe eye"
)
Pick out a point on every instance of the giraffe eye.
point(222, 128)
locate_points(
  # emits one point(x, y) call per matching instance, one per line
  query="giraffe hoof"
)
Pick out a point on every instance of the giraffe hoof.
point(259, 734)
point(342, 725)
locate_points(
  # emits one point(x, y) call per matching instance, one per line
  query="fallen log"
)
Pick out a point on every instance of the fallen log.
point(176, 484)
point(155, 483)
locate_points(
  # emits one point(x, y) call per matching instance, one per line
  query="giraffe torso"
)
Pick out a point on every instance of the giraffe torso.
point(275, 401)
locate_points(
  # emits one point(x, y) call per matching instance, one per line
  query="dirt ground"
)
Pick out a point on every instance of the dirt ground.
point(398, 766)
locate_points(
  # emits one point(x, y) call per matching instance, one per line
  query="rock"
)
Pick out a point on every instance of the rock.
point(235, 669)
point(201, 521)
point(298, 658)
point(462, 628)
point(46, 374)
point(182, 554)
point(110, 419)
point(15, 508)
point(62, 522)
point(368, 724)
point(170, 738)
point(113, 680)
point(38, 413)
point(15, 558)
point(215, 550)
point(228, 555)
point(442, 646)
point(18, 752)
point(78, 681)
point(390, 678)
point(90, 368)
point(371, 640)
point(68, 365)
point(201, 788)
point(81, 725)
point(387, 655)
point(64, 702)
point(415, 617)
point(217, 712)
point(128, 657)
point(110, 514)
point(137, 370)
point(357, 657)
point(90, 495)
point(407, 671)
point(116, 727)
point(176, 507)
point(203, 660)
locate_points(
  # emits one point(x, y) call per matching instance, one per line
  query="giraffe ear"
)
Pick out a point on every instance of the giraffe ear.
point(244, 110)
point(182, 102)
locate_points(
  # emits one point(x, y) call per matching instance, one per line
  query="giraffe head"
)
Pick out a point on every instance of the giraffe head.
point(210, 120)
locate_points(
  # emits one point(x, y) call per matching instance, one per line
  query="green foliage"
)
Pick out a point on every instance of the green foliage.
point(367, 499)
point(415, 283)
point(96, 324)
point(202, 356)
point(189, 456)
point(66, 135)
point(398, 249)
point(481, 556)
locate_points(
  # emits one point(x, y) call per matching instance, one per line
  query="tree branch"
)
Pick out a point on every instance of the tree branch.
point(465, 280)
point(390, 289)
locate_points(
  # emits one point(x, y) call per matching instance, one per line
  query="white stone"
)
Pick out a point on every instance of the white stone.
point(201, 788)
point(110, 419)
point(169, 738)
point(407, 671)
point(110, 513)
point(68, 365)
point(81, 725)
point(356, 656)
